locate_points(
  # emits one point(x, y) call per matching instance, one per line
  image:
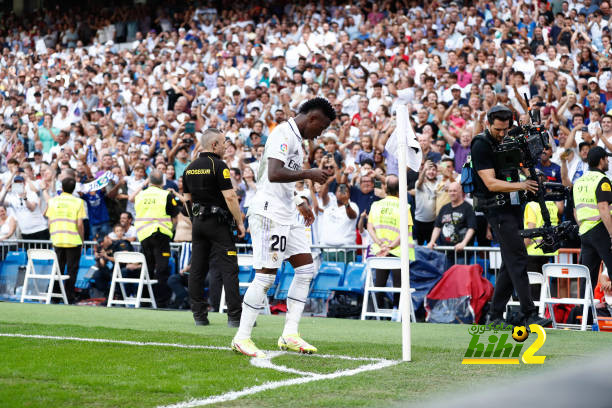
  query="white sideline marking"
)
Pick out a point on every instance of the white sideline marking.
point(306, 377)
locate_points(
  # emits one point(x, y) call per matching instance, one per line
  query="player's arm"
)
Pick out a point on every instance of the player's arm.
point(277, 173)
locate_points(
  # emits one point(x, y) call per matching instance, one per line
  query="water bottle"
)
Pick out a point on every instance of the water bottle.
point(395, 315)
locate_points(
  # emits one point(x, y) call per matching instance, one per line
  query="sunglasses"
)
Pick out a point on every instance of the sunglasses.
point(328, 167)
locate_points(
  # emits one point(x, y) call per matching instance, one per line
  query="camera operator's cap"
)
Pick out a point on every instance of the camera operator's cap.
point(592, 80)
point(596, 154)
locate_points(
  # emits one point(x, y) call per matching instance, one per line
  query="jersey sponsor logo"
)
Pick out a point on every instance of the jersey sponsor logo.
point(294, 165)
point(226, 173)
point(284, 148)
point(198, 171)
point(605, 187)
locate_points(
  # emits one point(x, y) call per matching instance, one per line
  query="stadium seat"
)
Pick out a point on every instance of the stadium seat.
point(246, 274)
point(535, 278)
point(172, 265)
point(354, 279)
point(340, 265)
point(284, 282)
point(123, 257)
point(327, 278)
point(83, 281)
point(9, 272)
point(42, 269)
point(571, 271)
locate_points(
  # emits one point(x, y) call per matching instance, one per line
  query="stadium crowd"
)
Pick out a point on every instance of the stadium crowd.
point(112, 95)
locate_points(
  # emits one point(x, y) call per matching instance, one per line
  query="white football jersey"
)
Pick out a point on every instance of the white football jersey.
point(275, 200)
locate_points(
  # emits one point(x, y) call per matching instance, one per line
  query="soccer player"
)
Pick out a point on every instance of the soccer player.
point(275, 234)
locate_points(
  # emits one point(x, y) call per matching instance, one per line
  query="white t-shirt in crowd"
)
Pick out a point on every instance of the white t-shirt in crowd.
point(275, 200)
point(28, 221)
point(336, 227)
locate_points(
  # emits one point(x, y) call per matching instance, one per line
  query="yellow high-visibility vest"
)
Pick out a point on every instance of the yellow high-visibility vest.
point(63, 213)
point(533, 208)
point(585, 201)
point(385, 218)
point(151, 216)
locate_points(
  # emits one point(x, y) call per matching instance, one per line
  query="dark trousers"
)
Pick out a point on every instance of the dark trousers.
point(512, 275)
point(481, 231)
point(380, 280)
point(596, 247)
point(178, 283)
point(422, 231)
point(68, 258)
point(156, 250)
point(40, 235)
point(213, 244)
point(215, 283)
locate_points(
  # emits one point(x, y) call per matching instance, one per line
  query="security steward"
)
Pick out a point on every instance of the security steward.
point(66, 213)
point(215, 209)
point(383, 228)
point(533, 219)
point(156, 212)
point(592, 198)
point(496, 191)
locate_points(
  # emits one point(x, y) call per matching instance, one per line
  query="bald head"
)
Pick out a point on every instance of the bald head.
point(455, 193)
point(393, 185)
point(156, 178)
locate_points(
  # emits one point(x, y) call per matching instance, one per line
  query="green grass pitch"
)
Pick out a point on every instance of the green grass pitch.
point(39, 372)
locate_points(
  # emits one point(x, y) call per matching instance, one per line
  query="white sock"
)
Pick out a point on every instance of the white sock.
point(296, 297)
point(253, 303)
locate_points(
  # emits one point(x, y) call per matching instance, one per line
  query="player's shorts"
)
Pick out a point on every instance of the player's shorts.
point(274, 242)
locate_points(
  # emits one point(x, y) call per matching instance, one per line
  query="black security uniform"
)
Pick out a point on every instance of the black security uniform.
point(213, 242)
point(506, 221)
point(595, 244)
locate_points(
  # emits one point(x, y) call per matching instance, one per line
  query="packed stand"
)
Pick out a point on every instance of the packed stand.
point(119, 93)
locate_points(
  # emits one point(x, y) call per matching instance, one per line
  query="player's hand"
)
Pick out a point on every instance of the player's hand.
point(318, 176)
point(307, 213)
point(530, 185)
point(241, 230)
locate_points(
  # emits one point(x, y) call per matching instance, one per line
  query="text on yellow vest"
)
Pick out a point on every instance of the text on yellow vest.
point(585, 201)
point(151, 216)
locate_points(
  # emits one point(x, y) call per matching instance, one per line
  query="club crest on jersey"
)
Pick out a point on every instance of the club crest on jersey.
point(284, 148)
point(274, 256)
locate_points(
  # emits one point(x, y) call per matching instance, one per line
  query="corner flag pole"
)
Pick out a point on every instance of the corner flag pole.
point(406, 298)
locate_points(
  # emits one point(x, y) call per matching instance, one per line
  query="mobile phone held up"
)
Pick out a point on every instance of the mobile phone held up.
point(190, 128)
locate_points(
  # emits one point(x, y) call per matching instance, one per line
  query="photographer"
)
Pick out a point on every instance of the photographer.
point(496, 193)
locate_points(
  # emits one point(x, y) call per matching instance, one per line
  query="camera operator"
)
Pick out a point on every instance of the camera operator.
point(496, 193)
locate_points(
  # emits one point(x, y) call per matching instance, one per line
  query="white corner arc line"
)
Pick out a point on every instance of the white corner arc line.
point(377, 364)
point(232, 395)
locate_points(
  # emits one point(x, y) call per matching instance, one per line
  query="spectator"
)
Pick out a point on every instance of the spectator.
point(425, 198)
point(456, 223)
point(25, 204)
point(338, 222)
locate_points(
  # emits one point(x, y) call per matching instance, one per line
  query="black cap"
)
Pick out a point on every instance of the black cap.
point(595, 155)
point(37, 152)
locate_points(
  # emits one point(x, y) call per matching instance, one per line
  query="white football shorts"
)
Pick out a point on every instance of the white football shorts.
point(274, 242)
